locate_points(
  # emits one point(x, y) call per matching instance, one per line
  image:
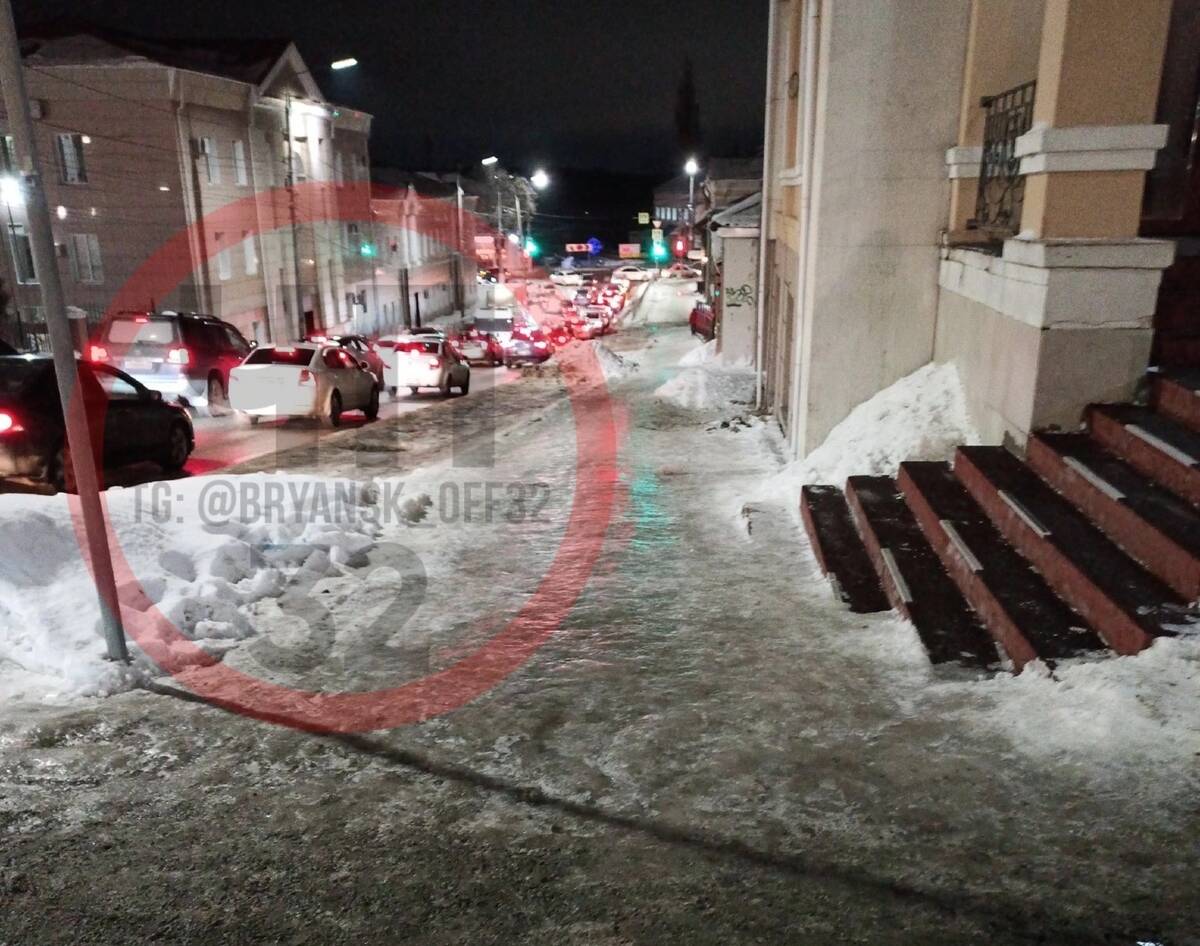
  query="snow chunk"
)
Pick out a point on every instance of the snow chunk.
point(923, 416)
point(708, 381)
point(614, 366)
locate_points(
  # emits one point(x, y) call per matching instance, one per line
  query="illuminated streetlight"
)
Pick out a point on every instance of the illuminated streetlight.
point(347, 63)
point(488, 162)
point(540, 179)
point(692, 168)
point(10, 191)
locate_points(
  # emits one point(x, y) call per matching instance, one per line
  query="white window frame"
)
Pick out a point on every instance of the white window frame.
point(19, 231)
point(212, 167)
point(83, 250)
point(240, 176)
point(249, 253)
point(72, 165)
point(223, 258)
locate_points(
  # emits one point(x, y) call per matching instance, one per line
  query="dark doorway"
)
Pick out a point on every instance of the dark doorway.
point(1172, 202)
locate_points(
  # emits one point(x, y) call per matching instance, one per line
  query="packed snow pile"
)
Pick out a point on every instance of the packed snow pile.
point(201, 551)
point(709, 382)
point(614, 366)
point(923, 416)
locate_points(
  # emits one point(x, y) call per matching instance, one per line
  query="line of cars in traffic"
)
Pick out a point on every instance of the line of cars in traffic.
point(144, 374)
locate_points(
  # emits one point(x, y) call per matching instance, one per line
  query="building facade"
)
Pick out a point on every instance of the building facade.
point(232, 144)
point(967, 183)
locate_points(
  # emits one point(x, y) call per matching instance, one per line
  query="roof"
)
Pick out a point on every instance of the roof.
point(244, 60)
point(745, 213)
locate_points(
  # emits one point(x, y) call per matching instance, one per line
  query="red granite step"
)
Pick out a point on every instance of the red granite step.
point(1176, 394)
point(1161, 448)
point(1127, 606)
point(1018, 608)
point(1149, 522)
point(839, 549)
point(913, 577)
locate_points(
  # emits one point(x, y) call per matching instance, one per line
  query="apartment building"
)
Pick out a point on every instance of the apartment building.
point(148, 145)
point(997, 185)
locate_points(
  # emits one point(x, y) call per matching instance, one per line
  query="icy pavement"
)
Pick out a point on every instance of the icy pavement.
point(708, 751)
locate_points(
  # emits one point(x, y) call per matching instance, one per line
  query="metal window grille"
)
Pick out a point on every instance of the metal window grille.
point(1001, 186)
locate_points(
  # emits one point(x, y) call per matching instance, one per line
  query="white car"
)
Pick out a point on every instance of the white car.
point(302, 380)
point(630, 274)
point(565, 277)
point(681, 271)
point(427, 361)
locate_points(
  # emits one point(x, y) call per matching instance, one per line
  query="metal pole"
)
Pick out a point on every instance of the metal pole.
point(45, 264)
point(297, 301)
point(499, 231)
point(691, 211)
point(460, 295)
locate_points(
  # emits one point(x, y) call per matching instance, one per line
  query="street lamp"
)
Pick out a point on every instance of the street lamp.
point(490, 161)
point(691, 169)
point(339, 64)
point(540, 179)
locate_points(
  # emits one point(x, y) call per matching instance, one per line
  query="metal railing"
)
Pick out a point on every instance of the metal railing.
point(1001, 185)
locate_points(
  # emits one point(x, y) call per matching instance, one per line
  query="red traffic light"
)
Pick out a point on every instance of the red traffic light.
point(680, 247)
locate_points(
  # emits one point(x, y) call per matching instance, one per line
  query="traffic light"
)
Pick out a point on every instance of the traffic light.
point(532, 250)
point(680, 247)
point(658, 251)
point(367, 250)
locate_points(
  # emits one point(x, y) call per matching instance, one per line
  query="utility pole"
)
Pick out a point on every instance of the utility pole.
point(499, 230)
point(520, 231)
point(297, 301)
point(459, 290)
point(79, 441)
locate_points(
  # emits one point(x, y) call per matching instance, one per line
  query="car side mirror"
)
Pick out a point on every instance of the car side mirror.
point(154, 395)
point(253, 345)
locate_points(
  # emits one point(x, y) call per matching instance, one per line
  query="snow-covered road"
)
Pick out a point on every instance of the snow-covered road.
point(707, 751)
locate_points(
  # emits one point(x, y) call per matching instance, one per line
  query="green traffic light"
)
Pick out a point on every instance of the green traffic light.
point(531, 247)
point(659, 251)
point(367, 249)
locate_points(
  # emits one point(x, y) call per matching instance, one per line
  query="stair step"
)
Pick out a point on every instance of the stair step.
point(840, 550)
point(1161, 448)
point(913, 577)
point(1027, 619)
point(1176, 394)
point(1127, 606)
point(1148, 521)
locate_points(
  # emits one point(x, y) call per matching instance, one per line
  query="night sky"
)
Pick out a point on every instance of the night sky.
point(563, 84)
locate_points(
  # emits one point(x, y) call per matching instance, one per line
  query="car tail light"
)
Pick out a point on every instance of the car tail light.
point(179, 356)
point(8, 424)
point(97, 353)
point(306, 376)
point(435, 362)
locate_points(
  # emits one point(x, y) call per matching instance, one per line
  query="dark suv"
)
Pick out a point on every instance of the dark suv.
point(184, 356)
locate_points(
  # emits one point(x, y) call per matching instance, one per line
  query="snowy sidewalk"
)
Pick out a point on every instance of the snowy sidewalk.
point(709, 751)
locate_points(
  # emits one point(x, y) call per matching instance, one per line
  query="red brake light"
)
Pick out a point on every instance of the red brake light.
point(435, 362)
point(141, 320)
point(305, 376)
point(97, 353)
point(8, 424)
point(179, 356)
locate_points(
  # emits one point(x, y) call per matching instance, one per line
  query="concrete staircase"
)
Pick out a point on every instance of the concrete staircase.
point(1091, 542)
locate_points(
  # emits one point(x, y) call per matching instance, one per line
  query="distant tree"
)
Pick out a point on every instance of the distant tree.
point(687, 110)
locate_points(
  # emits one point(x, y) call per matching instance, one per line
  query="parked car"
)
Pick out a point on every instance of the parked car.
point(359, 346)
point(428, 361)
point(566, 277)
point(703, 321)
point(630, 274)
point(133, 422)
point(308, 379)
point(184, 356)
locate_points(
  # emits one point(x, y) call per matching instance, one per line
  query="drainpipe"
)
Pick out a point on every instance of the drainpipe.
point(263, 267)
point(812, 45)
point(764, 226)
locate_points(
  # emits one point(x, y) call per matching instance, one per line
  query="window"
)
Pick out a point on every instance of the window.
point(208, 155)
point(117, 385)
point(239, 164)
point(224, 264)
point(84, 252)
point(249, 253)
point(352, 235)
point(234, 340)
point(8, 155)
point(22, 252)
point(71, 166)
point(339, 168)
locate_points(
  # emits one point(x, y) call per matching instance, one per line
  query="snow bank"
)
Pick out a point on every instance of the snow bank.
point(921, 417)
point(201, 568)
point(708, 382)
point(614, 366)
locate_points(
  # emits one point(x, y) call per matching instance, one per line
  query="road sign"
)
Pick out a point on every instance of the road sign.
point(696, 254)
point(657, 235)
point(643, 219)
point(577, 247)
point(594, 246)
point(629, 250)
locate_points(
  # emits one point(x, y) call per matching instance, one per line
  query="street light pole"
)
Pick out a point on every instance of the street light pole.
point(297, 300)
point(79, 441)
point(692, 169)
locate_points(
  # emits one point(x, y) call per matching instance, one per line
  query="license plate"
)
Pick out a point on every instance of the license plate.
point(138, 364)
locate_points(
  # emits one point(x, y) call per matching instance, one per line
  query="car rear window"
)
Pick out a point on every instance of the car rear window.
point(16, 374)
point(142, 331)
point(421, 348)
point(281, 356)
point(494, 325)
